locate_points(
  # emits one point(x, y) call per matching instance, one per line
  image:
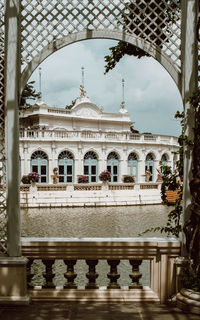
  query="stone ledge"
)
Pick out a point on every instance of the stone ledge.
point(100, 295)
point(15, 300)
point(13, 260)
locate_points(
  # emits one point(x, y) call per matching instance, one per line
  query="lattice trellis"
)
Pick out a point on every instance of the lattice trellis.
point(156, 21)
point(44, 21)
point(3, 216)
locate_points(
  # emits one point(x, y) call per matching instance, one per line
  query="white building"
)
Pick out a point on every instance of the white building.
point(85, 140)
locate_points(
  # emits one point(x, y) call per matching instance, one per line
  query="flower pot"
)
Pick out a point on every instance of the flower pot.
point(172, 195)
point(188, 300)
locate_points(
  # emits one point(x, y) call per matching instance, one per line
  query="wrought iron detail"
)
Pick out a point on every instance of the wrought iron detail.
point(65, 155)
point(132, 156)
point(39, 154)
point(90, 155)
point(112, 155)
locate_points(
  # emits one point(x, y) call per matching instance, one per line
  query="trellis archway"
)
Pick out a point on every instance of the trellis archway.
point(143, 44)
point(34, 29)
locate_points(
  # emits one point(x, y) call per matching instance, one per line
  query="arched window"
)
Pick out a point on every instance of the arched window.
point(39, 164)
point(133, 165)
point(164, 160)
point(149, 166)
point(90, 166)
point(65, 167)
point(113, 166)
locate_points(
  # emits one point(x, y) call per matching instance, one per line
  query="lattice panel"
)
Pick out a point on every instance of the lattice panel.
point(3, 216)
point(157, 21)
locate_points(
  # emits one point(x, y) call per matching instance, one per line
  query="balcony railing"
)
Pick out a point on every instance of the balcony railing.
point(47, 255)
point(91, 187)
point(45, 134)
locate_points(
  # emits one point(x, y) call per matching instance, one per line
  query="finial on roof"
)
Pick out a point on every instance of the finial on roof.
point(82, 92)
point(122, 109)
point(123, 102)
point(83, 75)
point(40, 84)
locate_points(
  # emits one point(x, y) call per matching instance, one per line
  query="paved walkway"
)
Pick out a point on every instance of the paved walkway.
point(93, 311)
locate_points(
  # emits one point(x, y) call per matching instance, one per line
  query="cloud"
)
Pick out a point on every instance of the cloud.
point(151, 96)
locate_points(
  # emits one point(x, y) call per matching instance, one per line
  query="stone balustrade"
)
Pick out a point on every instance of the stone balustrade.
point(93, 186)
point(85, 194)
point(45, 134)
point(160, 252)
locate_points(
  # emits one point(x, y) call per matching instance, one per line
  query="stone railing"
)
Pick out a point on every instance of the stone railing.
point(89, 187)
point(149, 185)
point(25, 187)
point(45, 134)
point(127, 186)
point(47, 255)
point(51, 187)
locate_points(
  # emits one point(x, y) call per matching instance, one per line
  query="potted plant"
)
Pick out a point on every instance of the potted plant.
point(128, 179)
point(83, 179)
point(105, 176)
point(25, 179)
point(33, 177)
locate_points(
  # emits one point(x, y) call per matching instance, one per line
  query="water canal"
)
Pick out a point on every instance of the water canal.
point(93, 222)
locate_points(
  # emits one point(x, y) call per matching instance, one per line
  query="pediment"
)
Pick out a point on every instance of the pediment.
point(86, 110)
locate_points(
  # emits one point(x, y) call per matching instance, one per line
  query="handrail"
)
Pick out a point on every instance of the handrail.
point(160, 251)
point(99, 248)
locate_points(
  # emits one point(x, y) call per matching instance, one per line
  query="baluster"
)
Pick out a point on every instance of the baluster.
point(70, 275)
point(92, 275)
point(113, 275)
point(135, 275)
point(49, 273)
point(29, 275)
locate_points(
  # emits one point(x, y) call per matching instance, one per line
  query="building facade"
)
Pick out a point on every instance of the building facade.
point(85, 140)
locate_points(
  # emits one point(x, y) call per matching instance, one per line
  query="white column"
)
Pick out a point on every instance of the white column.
point(12, 83)
point(26, 168)
point(123, 164)
point(155, 172)
point(189, 46)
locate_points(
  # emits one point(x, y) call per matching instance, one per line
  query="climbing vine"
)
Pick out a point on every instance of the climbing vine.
point(173, 181)
point(191, 227)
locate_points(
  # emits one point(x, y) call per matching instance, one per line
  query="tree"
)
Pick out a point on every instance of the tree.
point(145, 20)
point(29, 92)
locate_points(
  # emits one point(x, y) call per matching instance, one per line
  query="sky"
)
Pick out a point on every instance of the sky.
point(151, 96)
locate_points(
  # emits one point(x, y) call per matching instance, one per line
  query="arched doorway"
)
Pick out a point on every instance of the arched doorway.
point(113, 166)
point(65, 167)
point(91, 166)
point(39, 164)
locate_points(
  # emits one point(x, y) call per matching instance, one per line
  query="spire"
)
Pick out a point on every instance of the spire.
point(123, 91)
point(83, 75)
point(40, 84)
point(123, 102)
point(122, 109)
point(83, 93)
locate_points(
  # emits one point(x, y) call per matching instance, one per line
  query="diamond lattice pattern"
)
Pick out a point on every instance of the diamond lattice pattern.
point(3, 216)
point(157, 21)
